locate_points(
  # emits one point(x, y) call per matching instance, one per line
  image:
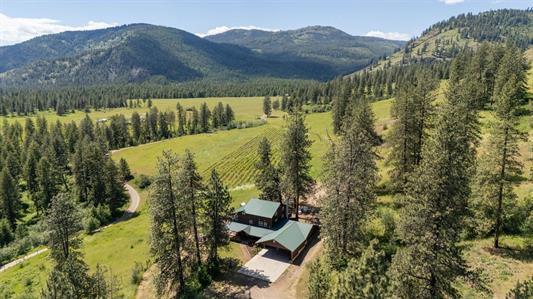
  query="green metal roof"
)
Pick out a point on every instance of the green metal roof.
point(290, 236)
point(261, 208)
point(250, 230)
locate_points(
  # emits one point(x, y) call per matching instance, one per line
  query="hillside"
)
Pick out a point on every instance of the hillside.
point(323, 44)
point(143, 52)
point(443, 40)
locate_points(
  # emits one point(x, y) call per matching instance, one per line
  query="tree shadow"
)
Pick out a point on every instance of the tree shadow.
point(521, 254)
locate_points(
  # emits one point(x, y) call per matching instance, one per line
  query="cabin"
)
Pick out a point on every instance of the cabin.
point(264, 222)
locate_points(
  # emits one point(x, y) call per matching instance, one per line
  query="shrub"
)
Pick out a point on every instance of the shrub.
point(6, 235)
point(522, 290)
point(137, 273)
point(143, 181)
point(90, 223)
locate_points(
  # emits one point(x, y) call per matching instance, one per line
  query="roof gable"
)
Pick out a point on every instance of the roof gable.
point(261, 208)
point(290, 236)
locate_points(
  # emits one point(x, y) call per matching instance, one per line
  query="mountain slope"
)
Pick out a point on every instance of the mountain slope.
point(443, 40)
point(143, 52)
point(327, 45)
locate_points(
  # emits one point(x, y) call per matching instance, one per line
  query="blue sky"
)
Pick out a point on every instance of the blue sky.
point(400, 19)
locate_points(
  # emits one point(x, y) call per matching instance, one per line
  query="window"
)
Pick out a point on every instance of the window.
point(251, 221)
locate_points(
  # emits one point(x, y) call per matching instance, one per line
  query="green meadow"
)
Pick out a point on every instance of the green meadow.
point(233, 154)
point(245, 108)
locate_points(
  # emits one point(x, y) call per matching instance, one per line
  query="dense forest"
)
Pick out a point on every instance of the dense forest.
point(448, 187)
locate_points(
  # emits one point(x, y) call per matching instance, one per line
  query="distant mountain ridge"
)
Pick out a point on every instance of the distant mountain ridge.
point(320, 43)
point(143, 52)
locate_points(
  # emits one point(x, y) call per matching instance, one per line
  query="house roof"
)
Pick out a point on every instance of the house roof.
point(259, 207)
point(290, 236)
point(250, 230)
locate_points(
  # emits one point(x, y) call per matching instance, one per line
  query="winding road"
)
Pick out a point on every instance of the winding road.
point(135, 200)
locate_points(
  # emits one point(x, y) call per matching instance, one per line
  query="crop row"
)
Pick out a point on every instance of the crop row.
point(239, 167)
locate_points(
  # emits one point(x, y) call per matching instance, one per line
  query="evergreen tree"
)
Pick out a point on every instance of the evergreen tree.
point(124, 170)
point(365, 277)
point(191, 191)
point(284, 103)
point(164, 131)
point(275, 104)
point(69, 278)
point(9, 198)
point(6, 234)
point(295, 159)
point(136, 127)
point(436, 201)
point(168, 227)
point(203, 118)
point(218, 212)
point(48, 183)
point(319, 279)
point(268, 180)
point(499, 163)
point(350, 181)
point(412, 110)
point(267, 106)
point(30, 169)
point(230, 115)
point(181, 120)
point(115, 196)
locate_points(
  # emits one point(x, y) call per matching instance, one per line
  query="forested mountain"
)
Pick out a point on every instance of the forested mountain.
point(444, 40)
point(142, 52)
point(323, 44)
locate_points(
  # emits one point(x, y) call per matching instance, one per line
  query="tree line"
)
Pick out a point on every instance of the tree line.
point(446, 187)
point(41, 161)
point(27, 101)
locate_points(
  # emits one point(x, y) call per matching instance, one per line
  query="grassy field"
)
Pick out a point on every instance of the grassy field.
point(245, 108)
point(117, 247)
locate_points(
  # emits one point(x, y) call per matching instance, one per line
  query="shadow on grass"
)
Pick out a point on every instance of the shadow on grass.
point(231, 284)
point(524, 254)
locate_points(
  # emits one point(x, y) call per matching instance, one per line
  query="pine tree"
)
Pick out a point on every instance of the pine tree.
point(203, 118)
point(30, 169)
point(6, 233)
point(350, 180)
point(124, 170)
point(9, 198)
point(268, 180)
point(181, 120)
point(168, 227)
point(218, 212)
point(136, 127)
point(191, 190)
point(295, 159)
point(319, 279)
point(499, 163)
point(230, 115)
point(48, 183)
point(436, 202)
point(365, 277)
point(115, 196)
point(284, 103)
point(412, 110)
point(69, 278)
point(267, 106)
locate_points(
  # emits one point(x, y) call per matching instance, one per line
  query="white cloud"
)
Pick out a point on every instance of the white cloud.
point(389, 35)
point(222, 29)
point(450, 2)
point(16, 30)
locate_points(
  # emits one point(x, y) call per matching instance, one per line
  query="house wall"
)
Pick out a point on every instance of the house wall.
point(253, 220)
